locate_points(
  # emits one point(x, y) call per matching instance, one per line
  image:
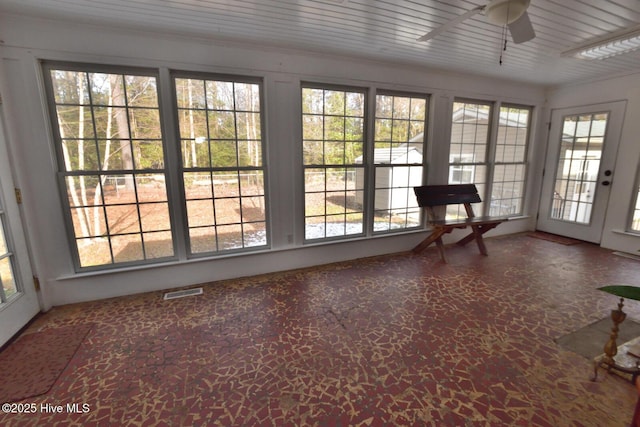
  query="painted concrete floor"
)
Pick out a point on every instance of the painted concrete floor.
point(393, 340)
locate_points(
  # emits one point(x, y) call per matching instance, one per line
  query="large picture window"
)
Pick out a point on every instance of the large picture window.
point(509, 170)
point(499, 177)
point(222, 163)
point(119, 196)
point(398, 158)
point(357, 185)
point(470, 123)
point(111, 164)
point(333, 141)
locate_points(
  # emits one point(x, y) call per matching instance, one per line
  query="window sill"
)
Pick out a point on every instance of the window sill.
point(183, 262)
point(626, 233)
point(171, 263)
point(309, 244)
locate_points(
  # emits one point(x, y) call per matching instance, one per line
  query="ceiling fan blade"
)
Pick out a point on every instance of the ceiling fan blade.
point(521, 29)
point(447, 25)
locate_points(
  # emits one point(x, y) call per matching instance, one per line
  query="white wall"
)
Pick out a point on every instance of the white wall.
point(28, 40)
point(623, 184)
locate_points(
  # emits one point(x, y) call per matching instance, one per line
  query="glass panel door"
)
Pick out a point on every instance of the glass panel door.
point(578, 167)
point(18, 299)
point(9, 288)
point(579, 170)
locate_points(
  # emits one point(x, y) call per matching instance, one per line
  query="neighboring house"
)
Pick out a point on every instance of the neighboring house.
point(468, 153)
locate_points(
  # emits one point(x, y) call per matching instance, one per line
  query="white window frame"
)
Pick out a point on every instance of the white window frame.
point(469, 161)
point(320, 177)
point(523, 163)
point(219, 176)
point(406, 216)
point(364, 169)
point(171, 179)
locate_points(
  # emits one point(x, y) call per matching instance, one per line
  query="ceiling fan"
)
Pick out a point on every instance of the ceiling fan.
point(510, 13)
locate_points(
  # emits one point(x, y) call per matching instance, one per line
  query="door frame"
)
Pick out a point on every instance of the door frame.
point(593, 231)
point(20, 309)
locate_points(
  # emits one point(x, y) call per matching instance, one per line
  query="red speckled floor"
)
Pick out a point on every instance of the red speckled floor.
point(392, 340)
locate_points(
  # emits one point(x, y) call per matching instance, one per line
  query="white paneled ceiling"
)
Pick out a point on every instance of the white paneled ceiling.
point(382, 30)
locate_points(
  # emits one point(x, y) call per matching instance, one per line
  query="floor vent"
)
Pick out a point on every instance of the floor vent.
point(183, 293)
point(626, 255)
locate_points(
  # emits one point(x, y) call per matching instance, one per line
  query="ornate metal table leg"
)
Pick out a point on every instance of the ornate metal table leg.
point(611, 347)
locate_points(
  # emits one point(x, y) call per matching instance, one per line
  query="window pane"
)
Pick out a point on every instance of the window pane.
point(222, 125)
point(228, 211)
point(199, 213)
point(69, 87)
point(3, 241)
point(469, 127)
point(578, 167)
point(334, 103)
point(230, 237)
point(104, 140)
point(252, 183)
point(144, 123)
point(224, 154)
point(76, 121)
point(223, 170)
point(333, 128)
point(127, 248)
point(158, 244)
point(250, 153)
point(507, 189)
point(141, 91)
point(155, 216)
point(226, 184)
point(8, 284)
point(247, 97)
point(635, 219)
point(80, 155)
point(190, 94)
point(219, 94)
point(468, 149)
point(398, 157)
point(255, 234)
point(203, 239)
point(9, 287)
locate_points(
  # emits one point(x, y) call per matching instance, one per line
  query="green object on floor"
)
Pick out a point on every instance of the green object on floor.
point(623, 291)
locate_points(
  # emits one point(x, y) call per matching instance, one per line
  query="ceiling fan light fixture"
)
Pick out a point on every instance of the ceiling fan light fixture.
point(504, 12)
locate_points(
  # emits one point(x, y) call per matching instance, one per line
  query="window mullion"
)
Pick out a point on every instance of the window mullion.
point(173, 161)
point(492, 138)
point(369, 163)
